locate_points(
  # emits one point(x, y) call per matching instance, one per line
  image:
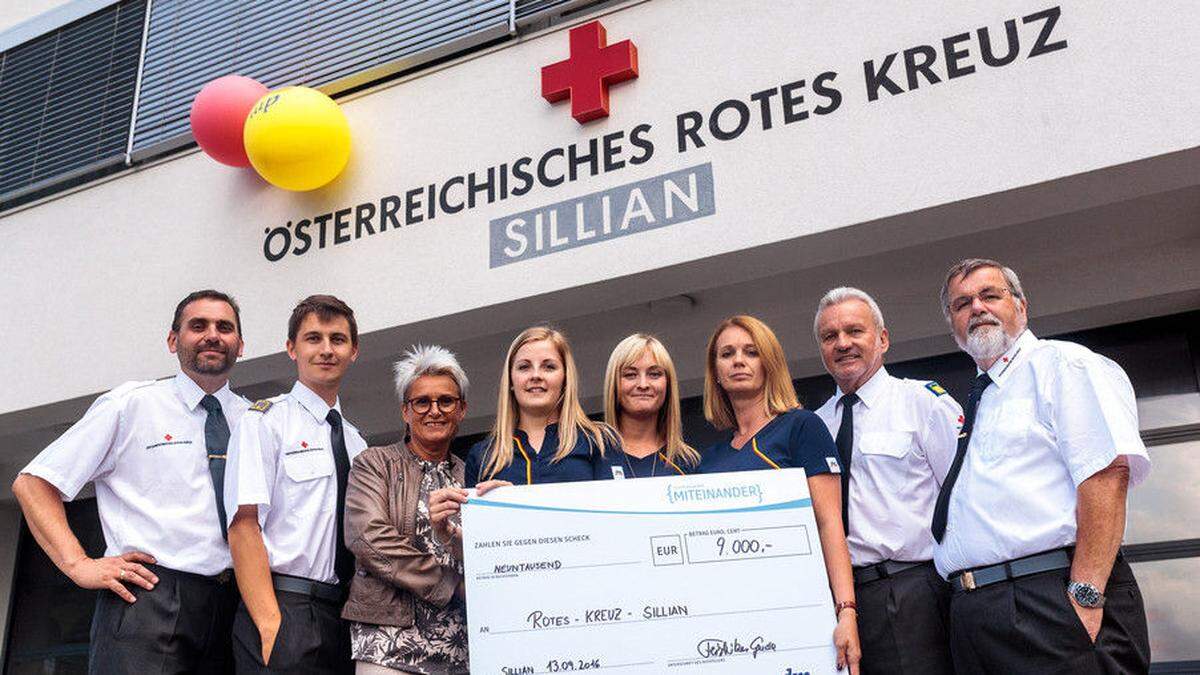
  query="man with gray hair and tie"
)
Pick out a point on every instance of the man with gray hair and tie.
point(1030, 517)
point(896, 440)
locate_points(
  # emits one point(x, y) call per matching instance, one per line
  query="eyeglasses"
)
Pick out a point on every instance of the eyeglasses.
point(988, 296)
point(423, 404)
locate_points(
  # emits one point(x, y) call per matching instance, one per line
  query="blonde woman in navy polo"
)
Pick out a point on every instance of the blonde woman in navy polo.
point(748, 390)
point(541, 434)
point(641, 401)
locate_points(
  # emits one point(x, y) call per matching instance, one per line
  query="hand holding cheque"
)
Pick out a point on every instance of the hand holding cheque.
point(446, 504)
point(567, 577)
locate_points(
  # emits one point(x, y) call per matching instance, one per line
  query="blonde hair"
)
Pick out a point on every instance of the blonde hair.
point(778, 397)
point(670, 418)
point(571, 418)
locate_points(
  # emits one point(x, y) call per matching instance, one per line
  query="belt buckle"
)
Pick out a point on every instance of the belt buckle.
point(967, 581)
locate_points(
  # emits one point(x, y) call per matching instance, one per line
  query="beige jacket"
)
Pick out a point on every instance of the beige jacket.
point(381, 513)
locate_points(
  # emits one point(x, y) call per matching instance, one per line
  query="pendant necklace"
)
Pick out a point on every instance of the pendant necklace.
point(653, 465)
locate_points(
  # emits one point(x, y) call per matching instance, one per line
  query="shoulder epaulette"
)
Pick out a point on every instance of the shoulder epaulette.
point(262, 405)
point(935, 388)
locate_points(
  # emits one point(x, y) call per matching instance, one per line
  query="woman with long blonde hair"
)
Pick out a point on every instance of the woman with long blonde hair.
point(641, 401)
point(748, 391)
point(541, 434)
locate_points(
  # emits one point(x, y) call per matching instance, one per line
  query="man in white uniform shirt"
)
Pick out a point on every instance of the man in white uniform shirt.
point(896, 439)
point(1031, 514)
point(286, 495)
point(156, 453)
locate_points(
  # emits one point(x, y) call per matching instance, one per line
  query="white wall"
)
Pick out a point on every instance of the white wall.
point(93, 273)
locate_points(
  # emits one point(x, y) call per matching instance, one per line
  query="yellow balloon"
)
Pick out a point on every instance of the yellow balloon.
point(297, 138)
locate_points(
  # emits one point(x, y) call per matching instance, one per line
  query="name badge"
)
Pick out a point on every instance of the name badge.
point(618, 473)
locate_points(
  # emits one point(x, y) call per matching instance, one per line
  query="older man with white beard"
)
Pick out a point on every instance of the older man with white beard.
point(1030, 517)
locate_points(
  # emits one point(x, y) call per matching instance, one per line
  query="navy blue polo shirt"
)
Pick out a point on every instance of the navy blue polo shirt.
point(794, 439)
point(530, 467)
point(652, 465)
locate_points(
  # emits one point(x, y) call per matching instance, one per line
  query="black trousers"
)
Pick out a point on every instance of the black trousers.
point(313, 638)
point(903, 623)
point(183, 625)
point(1029, 625)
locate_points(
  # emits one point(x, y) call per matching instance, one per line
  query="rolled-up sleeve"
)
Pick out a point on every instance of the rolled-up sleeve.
point(1094, 412)
point(251, 459)
point(85, 452)
point(939, 435)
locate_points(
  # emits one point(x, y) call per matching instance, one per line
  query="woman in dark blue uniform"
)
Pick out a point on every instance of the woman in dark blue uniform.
point(541, 434)
point(641, 401)
point(748, 390)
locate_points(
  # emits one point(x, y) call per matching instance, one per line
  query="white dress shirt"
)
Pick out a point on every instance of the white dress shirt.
point(905, 434)
point(281, 460)
point(142, 444)
point(1054, 415)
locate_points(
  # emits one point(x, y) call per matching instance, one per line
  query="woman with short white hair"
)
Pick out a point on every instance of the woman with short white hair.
point(406, 599)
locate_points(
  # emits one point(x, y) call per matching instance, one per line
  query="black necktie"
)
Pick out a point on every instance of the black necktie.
point(845, 446)
point(964, 438)
point(845, 442)
point(343, 562)
point(216, 439)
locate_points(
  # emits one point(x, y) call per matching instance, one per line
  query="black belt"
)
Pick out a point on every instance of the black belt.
point(969, 580)
point(882, 570)
point(224, 577)
point(314, 589)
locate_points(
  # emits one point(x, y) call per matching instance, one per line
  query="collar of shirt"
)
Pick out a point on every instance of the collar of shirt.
point(1003, 365)
point(315, 405)
point(871, 392)
point(190, 393)
point(551, 430)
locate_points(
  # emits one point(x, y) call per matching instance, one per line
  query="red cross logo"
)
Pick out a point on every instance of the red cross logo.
point(584, 78)
point(167, 437)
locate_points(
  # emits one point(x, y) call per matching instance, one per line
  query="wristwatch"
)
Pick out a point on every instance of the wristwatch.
point(1085, 595)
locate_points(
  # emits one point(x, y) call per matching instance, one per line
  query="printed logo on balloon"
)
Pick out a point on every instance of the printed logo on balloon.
point(296, 138)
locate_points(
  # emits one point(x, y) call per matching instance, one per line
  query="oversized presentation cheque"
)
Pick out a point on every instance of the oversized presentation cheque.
point(718, 573)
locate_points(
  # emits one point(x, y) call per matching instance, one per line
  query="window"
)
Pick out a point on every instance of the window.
point(51, 616)
point(66, 99)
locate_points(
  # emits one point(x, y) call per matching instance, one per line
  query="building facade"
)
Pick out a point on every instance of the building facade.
point(764, 153)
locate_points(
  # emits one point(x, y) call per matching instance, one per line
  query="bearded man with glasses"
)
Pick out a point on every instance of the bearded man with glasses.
point(406, 600)
point(1029, 519)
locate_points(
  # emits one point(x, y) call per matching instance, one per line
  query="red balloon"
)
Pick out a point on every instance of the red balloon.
point(219, 114)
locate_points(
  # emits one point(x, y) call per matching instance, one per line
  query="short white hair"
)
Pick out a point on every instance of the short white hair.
point(837, 296)
point(421, 360)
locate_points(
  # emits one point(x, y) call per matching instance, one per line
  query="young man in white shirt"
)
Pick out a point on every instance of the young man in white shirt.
point(286, 495)
point(156, 453)
point(1030, 517)
point(896, 439)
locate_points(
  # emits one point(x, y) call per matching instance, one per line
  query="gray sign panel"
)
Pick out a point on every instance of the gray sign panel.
point(675, 197)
